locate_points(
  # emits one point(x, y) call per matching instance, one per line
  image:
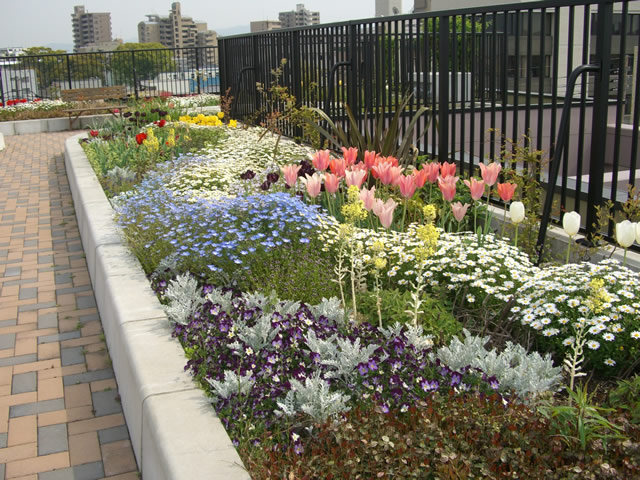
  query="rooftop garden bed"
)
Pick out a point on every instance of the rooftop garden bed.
point(355, 316)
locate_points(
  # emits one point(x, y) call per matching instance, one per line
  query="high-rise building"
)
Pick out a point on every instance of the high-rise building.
point(265, 25)
point(178, 31)
point(299, 17)
point(89, 28)
point(387, 8)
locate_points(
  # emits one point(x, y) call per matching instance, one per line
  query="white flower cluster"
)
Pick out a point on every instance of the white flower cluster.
point(558, 299)
point(39, 105)
point(215, 172)
point(200, 100)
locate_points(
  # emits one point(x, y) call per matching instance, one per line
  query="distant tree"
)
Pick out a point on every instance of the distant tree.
point(49, 65)
point(149, 59)
point(88, 65)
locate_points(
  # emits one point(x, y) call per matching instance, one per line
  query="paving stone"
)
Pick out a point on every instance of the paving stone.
point(61, 474)
point(48, 259)
point(48, 320)
point(62, 278)
point(5, 362)
point(24, 382)
point(106, 403)
point(7, 341)
point(13, 271)
point(3, 441)
point(86, 301)
point(88, 377)
point(58, 337)
point(75, 247)
point(37, 306)
point(113, 434)
point(88, 318)
point(52, 439)
point(36, 407)
point(31, 243)
point(28, 293)
point(2, 470)
point(72, 356)
point(8, 323)
point(89, 471)
point(64, 291)
point(4, 253)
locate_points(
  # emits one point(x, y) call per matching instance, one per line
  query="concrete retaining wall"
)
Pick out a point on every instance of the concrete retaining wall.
point(174, 430)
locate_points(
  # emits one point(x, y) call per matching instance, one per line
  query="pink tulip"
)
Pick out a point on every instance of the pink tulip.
point(447, 169)
point(387, 173)
point(290, 173)
point(370, 159)
point(338, 166)
point(355, 177)
point(447, 186)
point(459, 210)
point(360, 166)
point(476, 187)
point(313, 184)
point(321, 159)
point(433, 170)
point(490, 172)
point(506, 191)
point(368, 197)
point(331, 182)
point(350, 155)
point(384, 211)
point(407, 184)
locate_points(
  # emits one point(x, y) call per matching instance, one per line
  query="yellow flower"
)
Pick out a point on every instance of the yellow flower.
point(429, 212)
point(379, 263)
point(233, 123)
point(220, 115)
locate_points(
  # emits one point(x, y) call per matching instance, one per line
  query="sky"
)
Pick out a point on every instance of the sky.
point(28, 23)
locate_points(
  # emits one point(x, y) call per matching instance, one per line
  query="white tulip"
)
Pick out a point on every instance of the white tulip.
point(625, 233)
point(571, 223)
point(516, 210)
point(638, 232)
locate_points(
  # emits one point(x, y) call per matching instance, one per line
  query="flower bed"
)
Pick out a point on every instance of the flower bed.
point(244, 238)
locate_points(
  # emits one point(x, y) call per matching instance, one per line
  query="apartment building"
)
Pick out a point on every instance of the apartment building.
point(179, 31)
point(265, 25)
point(298, 17)
point(386, 8)
point(89, 28)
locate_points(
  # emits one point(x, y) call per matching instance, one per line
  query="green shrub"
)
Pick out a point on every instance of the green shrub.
point(626, 396)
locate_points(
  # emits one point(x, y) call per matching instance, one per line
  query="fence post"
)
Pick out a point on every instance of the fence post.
point(1, 88)
point(69, 72)
point(296, 70)
point(443, 88)
point(352, 74)
point(222, 71)
point(199, 75)
point(600, 112)
point(135, 76)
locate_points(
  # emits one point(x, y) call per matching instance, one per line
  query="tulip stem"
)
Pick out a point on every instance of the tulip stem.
point(404, 214)
point(569, 249)
point(624, 260)
point(516, 242)
point(504, 221)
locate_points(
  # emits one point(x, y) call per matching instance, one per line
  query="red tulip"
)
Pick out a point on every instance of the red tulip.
point(506, 190)
point(93, 133)
point(447, 186)
point(338, 166)
point(141, 137)
point(490, 172)
point(420, 177)
point(476, 187)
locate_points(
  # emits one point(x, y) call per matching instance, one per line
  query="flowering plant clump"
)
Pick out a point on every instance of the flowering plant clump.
point(267, 363)
point(604, 297)
point(200, 100)
point(158, 223)
point(22, 104)
point(205, 120)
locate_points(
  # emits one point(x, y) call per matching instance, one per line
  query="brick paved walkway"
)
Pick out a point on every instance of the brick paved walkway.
point(60, 418)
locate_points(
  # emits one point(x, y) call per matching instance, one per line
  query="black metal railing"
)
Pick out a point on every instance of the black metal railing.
point(179, 71)
point(486, 74)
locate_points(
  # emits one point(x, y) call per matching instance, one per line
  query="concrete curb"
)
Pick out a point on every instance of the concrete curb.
point(174, 430)
point(47, 125)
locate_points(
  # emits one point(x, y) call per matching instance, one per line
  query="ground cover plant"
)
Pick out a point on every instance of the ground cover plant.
point(344, 307)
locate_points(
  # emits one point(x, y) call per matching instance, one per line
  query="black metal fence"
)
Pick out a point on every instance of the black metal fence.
point(486, 74)
point(180, 71)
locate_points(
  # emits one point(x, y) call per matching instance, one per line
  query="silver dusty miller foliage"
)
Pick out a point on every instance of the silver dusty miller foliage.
point(314, 399)
point(183, 294)
point(233, 384)
point(527, 374)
